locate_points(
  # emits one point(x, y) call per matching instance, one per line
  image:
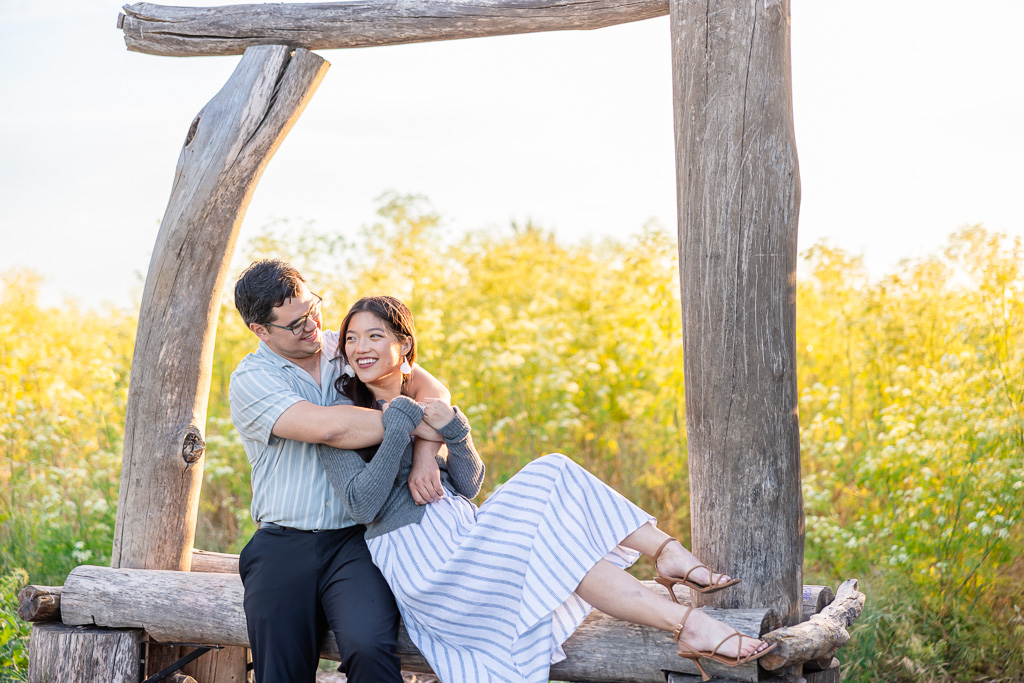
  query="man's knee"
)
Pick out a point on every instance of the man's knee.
point(365, 658)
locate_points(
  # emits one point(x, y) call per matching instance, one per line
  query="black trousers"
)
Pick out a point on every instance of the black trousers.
point(299, 583)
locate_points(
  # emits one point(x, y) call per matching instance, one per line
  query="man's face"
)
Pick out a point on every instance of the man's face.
point(304, 340)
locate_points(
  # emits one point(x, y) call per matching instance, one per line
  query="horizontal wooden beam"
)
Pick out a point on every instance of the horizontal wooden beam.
point(207, 608)
point(229, 30)
point(216, 563)
point(814, 598)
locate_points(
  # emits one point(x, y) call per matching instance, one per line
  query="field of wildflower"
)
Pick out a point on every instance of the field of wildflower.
point(911, 393)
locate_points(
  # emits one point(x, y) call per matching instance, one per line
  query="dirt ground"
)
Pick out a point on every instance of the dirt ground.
point(335, 677)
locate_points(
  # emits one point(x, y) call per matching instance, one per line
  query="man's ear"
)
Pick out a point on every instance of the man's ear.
point(260, 331)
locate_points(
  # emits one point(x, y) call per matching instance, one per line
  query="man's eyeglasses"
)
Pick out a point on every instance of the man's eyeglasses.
point(299, 325)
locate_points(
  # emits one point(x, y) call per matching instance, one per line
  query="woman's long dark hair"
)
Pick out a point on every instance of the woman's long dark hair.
point(398, 318)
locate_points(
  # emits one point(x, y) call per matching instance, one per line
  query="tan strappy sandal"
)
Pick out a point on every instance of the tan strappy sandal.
point(670, 581)
point(693, 654)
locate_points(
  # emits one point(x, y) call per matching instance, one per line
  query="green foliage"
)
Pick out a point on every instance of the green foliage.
point(914, 455)
point(911, 410)
point(63, 387)
point(13, 631)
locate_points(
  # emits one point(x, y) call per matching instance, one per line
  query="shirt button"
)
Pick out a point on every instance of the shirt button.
point(327, 503)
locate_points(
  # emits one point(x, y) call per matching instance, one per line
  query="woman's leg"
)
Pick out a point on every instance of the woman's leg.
point(618, 594)
point(675, 560)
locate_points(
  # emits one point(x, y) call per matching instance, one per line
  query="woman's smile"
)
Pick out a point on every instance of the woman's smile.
point(374, 352)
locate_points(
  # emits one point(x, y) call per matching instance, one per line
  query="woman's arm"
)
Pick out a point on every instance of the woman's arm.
point(364, 487)
point(465, 467)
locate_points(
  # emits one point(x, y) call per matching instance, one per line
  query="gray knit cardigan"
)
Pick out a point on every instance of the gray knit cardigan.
point(376, 493)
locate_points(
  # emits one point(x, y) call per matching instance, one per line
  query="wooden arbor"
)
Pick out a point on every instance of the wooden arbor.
point(738, 194)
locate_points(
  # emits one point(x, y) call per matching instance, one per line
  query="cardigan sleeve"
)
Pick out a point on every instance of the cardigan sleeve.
point(465, 467)
point(364, 487)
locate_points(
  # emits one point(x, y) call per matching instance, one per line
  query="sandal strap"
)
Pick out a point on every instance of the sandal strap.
point(686, 577)
point(701, 566)
point(679, 627)
point(739, 648)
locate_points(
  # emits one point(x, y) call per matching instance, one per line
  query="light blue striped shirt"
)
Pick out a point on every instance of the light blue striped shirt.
point(289, 485)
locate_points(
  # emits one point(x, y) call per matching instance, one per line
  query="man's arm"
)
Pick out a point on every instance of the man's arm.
point(425, 477)
point(346, 427)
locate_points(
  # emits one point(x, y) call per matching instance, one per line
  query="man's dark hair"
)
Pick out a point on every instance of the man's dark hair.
point(265, 284)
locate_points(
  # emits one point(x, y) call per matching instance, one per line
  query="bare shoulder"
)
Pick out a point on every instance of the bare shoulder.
point(422, 385)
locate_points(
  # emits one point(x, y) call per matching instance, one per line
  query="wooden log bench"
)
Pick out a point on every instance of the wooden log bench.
point(206, 607)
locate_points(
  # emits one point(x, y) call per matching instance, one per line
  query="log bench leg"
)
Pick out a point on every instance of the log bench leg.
point(228, 665)
point(83, 654)
point(829, 674)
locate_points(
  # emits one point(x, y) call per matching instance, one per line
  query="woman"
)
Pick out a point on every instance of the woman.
point(491, 593)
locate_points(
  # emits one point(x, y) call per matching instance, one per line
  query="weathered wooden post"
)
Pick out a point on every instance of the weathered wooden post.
point(739, 193)
point(227, 147)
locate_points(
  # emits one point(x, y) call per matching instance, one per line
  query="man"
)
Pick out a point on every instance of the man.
point(307, 567)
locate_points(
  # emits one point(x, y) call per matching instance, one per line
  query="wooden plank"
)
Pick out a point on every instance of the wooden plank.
point(207, 608)
point(738, 197)
point(83, 654)
point(227, 665)
point(229, 30)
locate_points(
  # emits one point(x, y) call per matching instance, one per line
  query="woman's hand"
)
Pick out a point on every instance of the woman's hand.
point(436, 412)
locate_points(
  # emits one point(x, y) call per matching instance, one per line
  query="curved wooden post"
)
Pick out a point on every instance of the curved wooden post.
point(228, 145)
point(739, 196)
point(226, 149)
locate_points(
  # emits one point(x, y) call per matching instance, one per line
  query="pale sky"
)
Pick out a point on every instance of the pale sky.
point(908, 123)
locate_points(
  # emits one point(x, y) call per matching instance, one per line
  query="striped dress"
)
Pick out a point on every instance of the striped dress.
point(487, 594)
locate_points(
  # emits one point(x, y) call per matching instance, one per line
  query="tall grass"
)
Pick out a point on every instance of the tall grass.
point(911, 395)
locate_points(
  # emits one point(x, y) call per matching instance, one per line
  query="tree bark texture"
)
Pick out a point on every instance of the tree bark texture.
point(229, 30)
point(227, 147)
point(207, 608)
point(82, 655)
point(738, 195)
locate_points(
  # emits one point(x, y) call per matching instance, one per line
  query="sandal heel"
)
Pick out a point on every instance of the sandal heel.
point(670, 585)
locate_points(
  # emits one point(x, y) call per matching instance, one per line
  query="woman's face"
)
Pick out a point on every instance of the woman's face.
point(372, 349)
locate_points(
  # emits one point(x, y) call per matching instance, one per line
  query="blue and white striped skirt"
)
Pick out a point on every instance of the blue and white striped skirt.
point(487, 594)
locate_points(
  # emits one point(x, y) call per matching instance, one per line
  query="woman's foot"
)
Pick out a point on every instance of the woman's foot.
point(703, 633)
point(679, 565)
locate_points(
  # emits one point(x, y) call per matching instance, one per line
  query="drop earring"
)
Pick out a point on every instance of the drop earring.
point(348, 371)
point(405, 369)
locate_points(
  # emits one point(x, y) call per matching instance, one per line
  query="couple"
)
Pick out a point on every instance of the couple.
point(486, 593)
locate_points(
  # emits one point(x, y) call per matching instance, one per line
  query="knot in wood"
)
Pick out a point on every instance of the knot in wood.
point(192, 446)
point(192, 131)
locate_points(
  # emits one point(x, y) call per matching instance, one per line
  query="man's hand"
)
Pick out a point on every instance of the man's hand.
point(425, 477)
